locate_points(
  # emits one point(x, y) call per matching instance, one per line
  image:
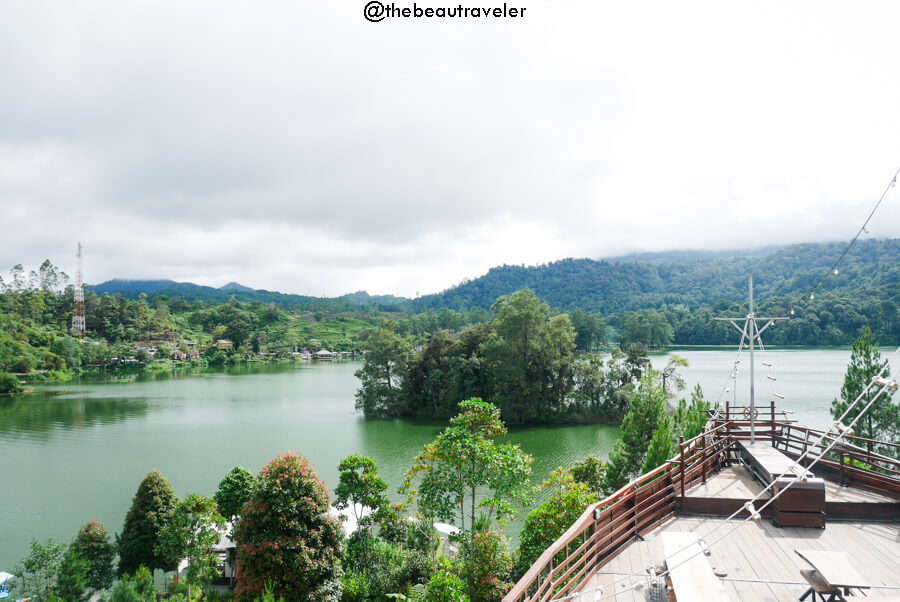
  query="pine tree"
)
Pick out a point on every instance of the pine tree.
point(661, 448)
point(644, 417)
point(72, 576)
point(150, 512)
point(882, 420)
point(616, 474)
point(648, 410)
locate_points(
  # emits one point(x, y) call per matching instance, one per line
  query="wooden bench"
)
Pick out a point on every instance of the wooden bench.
point(801, 504)
point(692, 577)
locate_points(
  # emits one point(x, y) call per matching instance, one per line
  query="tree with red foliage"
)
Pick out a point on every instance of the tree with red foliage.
point(285, 539)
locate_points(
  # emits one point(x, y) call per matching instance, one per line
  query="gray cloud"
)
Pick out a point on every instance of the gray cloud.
point(295, 146)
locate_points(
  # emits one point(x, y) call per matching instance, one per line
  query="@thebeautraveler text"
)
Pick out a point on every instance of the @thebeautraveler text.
point(376, 11)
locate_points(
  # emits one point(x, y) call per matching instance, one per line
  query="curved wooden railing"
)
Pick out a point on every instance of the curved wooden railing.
point(606, 527)
point(609, 525)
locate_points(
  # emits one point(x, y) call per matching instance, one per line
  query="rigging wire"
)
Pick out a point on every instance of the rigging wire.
point(840, 435)
point(863, 229)
point(752, 511)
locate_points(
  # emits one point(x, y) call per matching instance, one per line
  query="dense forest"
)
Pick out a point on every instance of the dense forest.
point(657, 301)
point(143, 331)
point(522, 360)
point(612, 287)
point(687, 288)
point(689, 292)
point(195, 292)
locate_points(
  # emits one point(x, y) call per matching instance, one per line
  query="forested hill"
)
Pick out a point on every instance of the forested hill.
point(195, 292)
point(614, 286)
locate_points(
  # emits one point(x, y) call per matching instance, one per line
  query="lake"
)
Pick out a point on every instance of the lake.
point(76, 452)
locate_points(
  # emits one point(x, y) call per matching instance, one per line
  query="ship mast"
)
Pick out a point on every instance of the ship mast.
point(752, 332)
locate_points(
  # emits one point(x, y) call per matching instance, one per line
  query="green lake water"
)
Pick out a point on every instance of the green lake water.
point(77, 452)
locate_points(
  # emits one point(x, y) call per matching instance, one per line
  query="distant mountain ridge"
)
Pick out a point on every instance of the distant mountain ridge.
point(198, 292)
point(612, 286)
point(646, 280)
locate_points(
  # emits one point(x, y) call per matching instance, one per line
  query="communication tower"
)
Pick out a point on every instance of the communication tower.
point(78, 325)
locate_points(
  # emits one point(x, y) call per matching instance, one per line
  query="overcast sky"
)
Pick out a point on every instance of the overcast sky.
point(297, 147)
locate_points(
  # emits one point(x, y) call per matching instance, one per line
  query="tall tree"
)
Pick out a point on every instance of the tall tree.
point(514, 354)
point(93, 544)
point(661, 446)
point(380, 393)
point(671, 381)
point(882, 420)
point(590, 330)
point(464, 464)
point(690, 418)
point(360, 487)
point(151, 510)
point(72, 577)
point(285, 537)
point(529, 358)
point(194, 528)
point(647, 413)
point(234, 492)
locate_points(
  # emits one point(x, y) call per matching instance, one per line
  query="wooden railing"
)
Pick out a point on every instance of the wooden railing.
point(611, 524)
point(606, 527)
point(851, 461)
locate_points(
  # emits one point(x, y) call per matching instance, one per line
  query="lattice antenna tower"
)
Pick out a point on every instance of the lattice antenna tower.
point(78, 325)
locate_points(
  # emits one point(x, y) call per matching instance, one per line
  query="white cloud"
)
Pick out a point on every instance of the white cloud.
point(297, 147)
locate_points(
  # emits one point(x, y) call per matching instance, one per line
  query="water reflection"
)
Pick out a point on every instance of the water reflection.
point(38, 414)
point(129, 374)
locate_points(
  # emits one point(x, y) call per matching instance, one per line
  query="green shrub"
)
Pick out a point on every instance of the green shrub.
point(23, 364)
point(356, 587)
point(486, 564)
point(445, 586)
point(139, 588)
point(9, 383)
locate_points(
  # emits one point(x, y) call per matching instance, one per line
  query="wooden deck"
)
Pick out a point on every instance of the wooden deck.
point(759, 558)
point(736, 482)
point(694, 491)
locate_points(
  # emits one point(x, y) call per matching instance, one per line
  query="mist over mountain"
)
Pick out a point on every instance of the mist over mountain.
point(653, 280)
point(692, 279)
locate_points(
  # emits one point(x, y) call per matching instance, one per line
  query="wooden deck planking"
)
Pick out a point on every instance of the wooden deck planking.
point(761, 551)
point(834, 492)
point(764, 552)
point(736, 482)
